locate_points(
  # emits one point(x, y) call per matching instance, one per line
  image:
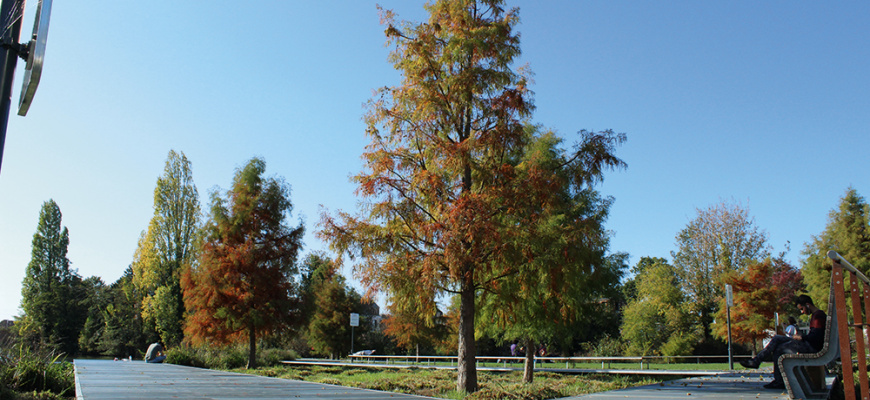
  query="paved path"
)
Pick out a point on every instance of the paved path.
point(106, 379)
point(735, 386)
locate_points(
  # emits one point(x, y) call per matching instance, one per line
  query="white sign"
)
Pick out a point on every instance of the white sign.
point(354, 319)
point(729, 296)
point(33, 69)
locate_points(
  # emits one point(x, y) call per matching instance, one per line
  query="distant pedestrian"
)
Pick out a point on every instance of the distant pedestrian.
point(155, 353)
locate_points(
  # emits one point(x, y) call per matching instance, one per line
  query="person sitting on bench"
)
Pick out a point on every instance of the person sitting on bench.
point(779, 345)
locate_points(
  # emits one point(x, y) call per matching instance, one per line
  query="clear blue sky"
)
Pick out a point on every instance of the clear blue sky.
point(764, 103)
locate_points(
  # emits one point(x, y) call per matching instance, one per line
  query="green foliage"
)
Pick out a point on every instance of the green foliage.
point(555, 243)
point(847, 232)
point(606, 346)
point(124, 333)
point(40, 370)
point(722, 238)
point(333, 301)
point(52, 291)
point(225, 357)
point(658, 321)
point(167, 247)
point(438, 383)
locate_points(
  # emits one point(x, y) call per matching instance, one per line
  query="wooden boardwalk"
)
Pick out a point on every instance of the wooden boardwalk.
point(105, 379)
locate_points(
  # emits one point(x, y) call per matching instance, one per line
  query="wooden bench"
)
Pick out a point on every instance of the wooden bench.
point(804, 374)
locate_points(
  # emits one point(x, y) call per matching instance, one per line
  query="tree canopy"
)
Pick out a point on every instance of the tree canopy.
point(242, 285)
point(442, 185)
point(167, 247)
point(554, 259)
point(847, 232)
point(658, 320)
point(722, 238)
point(49, 292)
point(760, 291)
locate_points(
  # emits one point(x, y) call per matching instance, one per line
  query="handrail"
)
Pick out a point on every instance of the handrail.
point(846, 264)
point(505, 359)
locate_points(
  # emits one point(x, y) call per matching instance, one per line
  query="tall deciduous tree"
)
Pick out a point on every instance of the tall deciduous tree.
point(848, 233)
point(167, 247)
point(435, 182)
point(242, 285)
point(760, 291)
point(658, 320)
point(333, 301)
point(722, 238)
point(553, 262)
point(49, 293)
point(442, 176)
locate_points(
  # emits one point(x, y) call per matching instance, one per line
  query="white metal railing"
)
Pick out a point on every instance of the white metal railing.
point(606, 362)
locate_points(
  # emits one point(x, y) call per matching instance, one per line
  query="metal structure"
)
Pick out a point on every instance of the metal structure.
point(33, 51)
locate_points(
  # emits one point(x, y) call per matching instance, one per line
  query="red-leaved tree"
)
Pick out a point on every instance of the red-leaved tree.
point(241, 286)
point(760, 291)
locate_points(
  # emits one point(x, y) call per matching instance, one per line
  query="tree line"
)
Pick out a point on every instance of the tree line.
point(480, 226)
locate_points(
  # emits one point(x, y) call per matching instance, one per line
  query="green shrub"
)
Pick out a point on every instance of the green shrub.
point(224, 357)
point(41, 370)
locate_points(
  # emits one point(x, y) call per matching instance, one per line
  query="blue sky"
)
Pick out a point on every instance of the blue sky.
point(763, 103)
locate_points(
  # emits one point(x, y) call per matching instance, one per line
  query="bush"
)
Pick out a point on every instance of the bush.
point(225, 357)
point(606, 347)
point(41, 370)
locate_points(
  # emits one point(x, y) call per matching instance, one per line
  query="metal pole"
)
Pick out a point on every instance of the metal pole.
point(730, 359)
point(351, 339)
point(11, 12)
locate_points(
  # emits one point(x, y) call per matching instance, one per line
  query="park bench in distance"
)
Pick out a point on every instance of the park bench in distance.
point(804, 374)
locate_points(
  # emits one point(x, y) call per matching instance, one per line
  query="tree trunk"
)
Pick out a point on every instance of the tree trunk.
point(529, 366)
point(252, 348)
point(466, 368)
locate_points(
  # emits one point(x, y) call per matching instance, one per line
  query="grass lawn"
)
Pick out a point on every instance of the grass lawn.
point(442, 383)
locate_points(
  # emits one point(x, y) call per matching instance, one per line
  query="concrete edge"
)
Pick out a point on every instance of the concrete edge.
point(79, 395)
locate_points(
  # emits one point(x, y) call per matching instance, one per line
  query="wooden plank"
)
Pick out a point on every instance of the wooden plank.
point(843, 329)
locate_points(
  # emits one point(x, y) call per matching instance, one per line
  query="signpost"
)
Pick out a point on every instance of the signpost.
point(354, 321)
point(11, 14)
point(729, 302)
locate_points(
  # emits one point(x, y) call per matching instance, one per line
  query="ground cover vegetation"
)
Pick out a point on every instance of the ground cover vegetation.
point(480, 227)
point(441, 383)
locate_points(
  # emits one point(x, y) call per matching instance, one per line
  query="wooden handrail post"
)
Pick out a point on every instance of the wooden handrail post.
point(843, 330)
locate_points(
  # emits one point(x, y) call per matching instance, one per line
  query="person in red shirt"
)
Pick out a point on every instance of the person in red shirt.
point(812, 342)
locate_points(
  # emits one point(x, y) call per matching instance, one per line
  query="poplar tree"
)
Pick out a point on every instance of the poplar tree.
point(167, 247)
point(242, 288)
point(49, 293)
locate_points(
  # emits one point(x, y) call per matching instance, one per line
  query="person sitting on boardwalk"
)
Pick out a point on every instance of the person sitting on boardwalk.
point(155, 353)
point(779, 345)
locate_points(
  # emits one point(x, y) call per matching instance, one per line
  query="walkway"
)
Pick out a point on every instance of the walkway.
point(106, 379)
point(734, 386)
